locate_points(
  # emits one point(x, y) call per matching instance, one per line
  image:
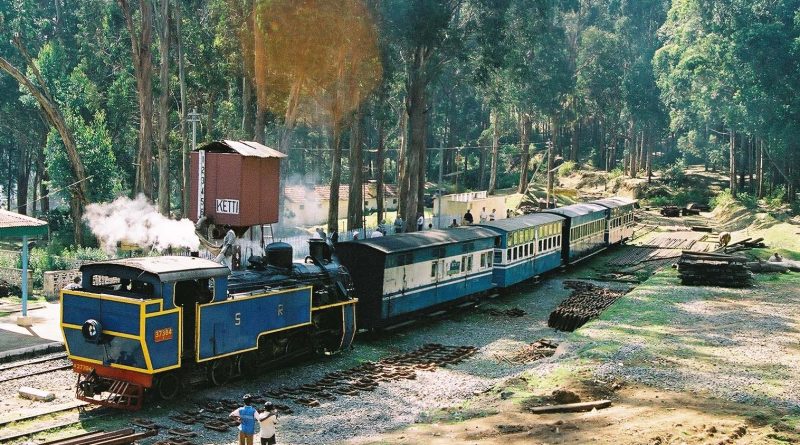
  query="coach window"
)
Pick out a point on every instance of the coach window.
point(540, 245)
point(483, 260)
point(463, 263)
point(489, 260)
point(434, 268)
point(508, 255)
point(469, 263)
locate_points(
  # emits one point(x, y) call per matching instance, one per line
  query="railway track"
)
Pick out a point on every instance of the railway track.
point(40, 372)
point(33, 362)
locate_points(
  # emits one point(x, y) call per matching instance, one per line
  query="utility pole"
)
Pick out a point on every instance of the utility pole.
point(194, 118)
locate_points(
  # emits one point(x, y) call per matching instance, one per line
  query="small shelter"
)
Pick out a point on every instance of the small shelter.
point(15, 225)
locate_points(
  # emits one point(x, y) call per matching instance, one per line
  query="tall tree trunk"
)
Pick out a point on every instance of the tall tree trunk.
point(649, 154)
point(336, 177)
point(524, 132)
point(550, 159)
point(379, 164)
point(163, 113)
point(634, 147)
point(248, 116)
point(495, 122)
point(355, 202)
point(732, 165)
point(416, 104)
point(760, 168)
point(210, 101)
point(143, 70)
point(23, 176)
point(184, 112)
point(402, 165)
point(575, 142)
point(80, 193)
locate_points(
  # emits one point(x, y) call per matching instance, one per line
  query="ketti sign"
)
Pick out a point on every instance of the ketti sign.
point(229, 206)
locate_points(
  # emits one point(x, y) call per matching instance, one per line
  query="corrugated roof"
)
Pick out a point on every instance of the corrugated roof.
point(427, 238)
point(574, 210)
point(15, 224)
point(613, 202)
point(168, 268)
point(244, 148)
point(522, 222)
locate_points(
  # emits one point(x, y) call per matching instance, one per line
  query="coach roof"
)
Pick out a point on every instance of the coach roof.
point(428, 238)
point(522, 222)
point(165, 268)
point(616, 201)
point(575, 210)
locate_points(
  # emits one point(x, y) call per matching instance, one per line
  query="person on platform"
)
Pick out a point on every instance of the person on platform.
point(453, 224)
point(420, 222)
point(430, 226)
point(322, 235)
point(376, 234)
point(268, 420)
point(247, 420)
point(398, 224)
point(483, 215)
point(334, 236)
point(355, 235)
point(493, 215)
point(76, 284)
point(468, 219)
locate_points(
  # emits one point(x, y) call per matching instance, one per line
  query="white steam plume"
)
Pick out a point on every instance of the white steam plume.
point(138, 222)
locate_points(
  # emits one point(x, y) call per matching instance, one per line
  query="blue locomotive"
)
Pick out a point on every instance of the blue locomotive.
point(402, 276)
point(159, 323)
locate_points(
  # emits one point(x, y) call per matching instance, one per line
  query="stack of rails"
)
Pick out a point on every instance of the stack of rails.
point(714, 269)
point(587, 301)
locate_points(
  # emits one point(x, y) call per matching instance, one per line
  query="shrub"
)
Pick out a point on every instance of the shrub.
point(675, 173)
point(566, 168)
point(775, 199)
point(748, 200)
point(726, 198)
point(616, 173)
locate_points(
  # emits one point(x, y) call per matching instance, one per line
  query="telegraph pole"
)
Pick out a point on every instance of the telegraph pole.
point(194, 118)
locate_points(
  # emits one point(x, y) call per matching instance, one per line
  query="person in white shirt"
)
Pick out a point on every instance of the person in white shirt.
point(268, 420)
point(483, 215)
point(420, 222)
point(492, 215)
point(376, 234)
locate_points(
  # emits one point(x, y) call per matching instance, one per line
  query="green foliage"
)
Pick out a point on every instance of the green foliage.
point(616, 173)
point(53, 257)
point(675, 174)
point(775, 199)
point(566, 168)
point(726, 198)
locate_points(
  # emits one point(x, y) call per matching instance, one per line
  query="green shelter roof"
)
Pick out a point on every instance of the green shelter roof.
point(16, 225)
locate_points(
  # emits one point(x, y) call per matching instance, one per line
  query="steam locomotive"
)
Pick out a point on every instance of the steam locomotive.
point(159, 323)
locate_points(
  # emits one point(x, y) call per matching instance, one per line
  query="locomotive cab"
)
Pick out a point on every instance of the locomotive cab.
point(124, 330)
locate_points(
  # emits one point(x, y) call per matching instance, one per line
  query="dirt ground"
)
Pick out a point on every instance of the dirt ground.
point(638, 415)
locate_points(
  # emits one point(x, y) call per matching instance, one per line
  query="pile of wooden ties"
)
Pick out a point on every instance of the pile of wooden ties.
point(714, 269)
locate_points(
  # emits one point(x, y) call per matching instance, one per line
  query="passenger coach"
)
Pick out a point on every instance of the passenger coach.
point(583, 233)
point(619, 217)
point(397, 276)
point(527, 246)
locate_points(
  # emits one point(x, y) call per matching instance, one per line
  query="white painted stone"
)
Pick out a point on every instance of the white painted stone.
point(25, 322)
point(36, 394)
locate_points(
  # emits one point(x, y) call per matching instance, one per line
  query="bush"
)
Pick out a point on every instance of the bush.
point(49, 258)
point(726, 198)
point(775, 199)
point(566, 168)
point(616, 173)
point(675, 173)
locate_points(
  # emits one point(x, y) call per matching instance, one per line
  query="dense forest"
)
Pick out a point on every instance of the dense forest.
point(96, 95)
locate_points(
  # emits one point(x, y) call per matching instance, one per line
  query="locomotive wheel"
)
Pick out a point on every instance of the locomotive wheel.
point(220, 371)
point(248, 364)
point(168, 386)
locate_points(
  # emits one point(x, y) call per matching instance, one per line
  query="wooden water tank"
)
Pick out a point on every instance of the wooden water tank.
point(240, 183)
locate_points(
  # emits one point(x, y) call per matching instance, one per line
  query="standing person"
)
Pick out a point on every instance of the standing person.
point(355, 235)
point(493, 215)
point(247, 418)
point(483, 215)
point(420, 222)
point(453, 224)
point(468, 219)
point(398, 224)
point(376, 234)
point(226, 251)
point(430, 226)
point(268, 420)
point(323, 236)
point(334, 237)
